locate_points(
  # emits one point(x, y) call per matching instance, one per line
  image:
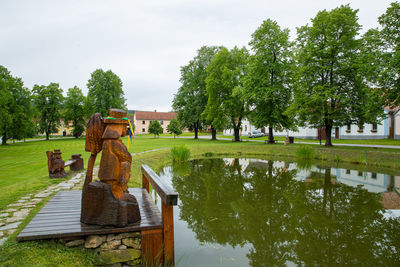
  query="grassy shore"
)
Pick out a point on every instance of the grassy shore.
point(23, 169)
point(387, 142)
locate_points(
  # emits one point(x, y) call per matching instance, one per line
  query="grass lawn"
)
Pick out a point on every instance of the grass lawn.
point(23, 170)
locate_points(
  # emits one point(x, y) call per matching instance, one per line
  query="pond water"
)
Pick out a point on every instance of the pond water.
point(248, 212)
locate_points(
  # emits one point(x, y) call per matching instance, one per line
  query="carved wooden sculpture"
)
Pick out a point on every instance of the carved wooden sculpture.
point(55, 164)
point(107, 202)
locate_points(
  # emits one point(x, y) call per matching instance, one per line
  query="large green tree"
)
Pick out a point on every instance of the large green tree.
point(15, 107)
point(105, 92)
point(225, 89)
point(75, 110)
point(330, 89)
point(48, 101)
point(191, 99)
point(267, 82)
point(389, 69)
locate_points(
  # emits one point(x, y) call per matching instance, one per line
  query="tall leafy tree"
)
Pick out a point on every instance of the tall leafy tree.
point(191, 99)
point(105, 92)
point(390, 69)
point(48, 101)
point(75, 110)
point(330, 89)
point(267, 81)
point(15, 107)
point(225, 89)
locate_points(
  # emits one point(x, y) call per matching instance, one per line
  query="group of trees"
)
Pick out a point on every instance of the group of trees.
point(329, 76)
point(28, 112)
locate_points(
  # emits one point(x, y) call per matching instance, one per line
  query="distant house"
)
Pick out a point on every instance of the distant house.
point(142, 120)
point(388, 128)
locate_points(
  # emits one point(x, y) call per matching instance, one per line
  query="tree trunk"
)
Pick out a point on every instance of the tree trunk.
point(213, 133)
point(4, 139)
point(47, 135)
point(271, 136)
point(328, 133)
point(196, 130)
point(237, 134)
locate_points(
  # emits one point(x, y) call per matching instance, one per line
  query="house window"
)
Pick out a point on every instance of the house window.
point(360, 173)
point(161, 122)
point(348, 171)
point(374, 128)
point(373, 175)
point(360, 128)
point(143, 130)
point(348, 128)
point(143, 122)
point(245, 128)
point(150, 122)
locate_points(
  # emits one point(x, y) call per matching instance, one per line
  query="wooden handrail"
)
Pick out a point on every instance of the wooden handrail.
point(166, 193)
point(169, 198)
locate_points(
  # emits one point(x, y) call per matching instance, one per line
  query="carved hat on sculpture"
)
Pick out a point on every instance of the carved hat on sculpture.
point(113, 124)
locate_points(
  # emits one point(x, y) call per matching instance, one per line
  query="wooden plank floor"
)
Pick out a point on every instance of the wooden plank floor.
point(60, 217)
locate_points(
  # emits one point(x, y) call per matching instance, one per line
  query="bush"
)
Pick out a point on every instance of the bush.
point(305, 152)
point(180, 153)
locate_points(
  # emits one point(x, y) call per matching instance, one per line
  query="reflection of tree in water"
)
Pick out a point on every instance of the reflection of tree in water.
point(316, 223)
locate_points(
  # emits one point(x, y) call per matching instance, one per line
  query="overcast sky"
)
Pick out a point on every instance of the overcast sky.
point(143, 42)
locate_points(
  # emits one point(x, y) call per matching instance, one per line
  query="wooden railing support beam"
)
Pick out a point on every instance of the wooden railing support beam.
point(168, 231)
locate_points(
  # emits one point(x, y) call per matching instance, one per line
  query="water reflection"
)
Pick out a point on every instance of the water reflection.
point(283, 215)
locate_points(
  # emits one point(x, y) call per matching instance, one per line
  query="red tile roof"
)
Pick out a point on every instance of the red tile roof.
point(154, 115)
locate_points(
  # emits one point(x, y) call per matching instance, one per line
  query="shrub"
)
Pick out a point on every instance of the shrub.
point(305, 152)
point(180, 153)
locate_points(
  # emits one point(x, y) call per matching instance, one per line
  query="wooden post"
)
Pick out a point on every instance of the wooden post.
point(152, 247)
point(168, 226)
point(145, 183)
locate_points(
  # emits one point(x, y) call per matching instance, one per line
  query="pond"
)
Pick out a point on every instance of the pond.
point(249, 212)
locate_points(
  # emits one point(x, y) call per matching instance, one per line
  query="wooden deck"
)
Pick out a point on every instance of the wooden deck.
point(60, 217)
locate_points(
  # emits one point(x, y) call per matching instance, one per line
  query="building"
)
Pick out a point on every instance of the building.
point(142, 120)
point(388, 128)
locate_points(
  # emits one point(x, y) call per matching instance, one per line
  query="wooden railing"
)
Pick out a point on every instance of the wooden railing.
point(169, 198)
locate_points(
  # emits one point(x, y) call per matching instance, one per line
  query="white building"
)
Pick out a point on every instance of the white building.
point(389, 127)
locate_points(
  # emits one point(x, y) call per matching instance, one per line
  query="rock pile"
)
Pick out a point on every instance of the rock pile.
point(112, 249)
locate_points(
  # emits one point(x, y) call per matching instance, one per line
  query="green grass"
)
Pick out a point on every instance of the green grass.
point(180, 154)
point(305, 153)
point(23, 170)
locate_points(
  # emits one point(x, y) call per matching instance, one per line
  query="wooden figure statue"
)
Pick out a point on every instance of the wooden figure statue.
point(108, 202)
point(55, 164)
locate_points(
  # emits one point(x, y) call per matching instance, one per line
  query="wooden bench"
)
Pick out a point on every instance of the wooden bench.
point(75, 163)
point(162, 241)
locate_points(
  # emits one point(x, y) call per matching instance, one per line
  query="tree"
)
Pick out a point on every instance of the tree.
point(48, 101)
point(155, 128)
point(105, 92)
point(15, 108)
point(75, 110)
point(174, 127)
point(191, 99)
point(225, 89)
point(330, 89)
point(390, 79)
point(267, 82)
